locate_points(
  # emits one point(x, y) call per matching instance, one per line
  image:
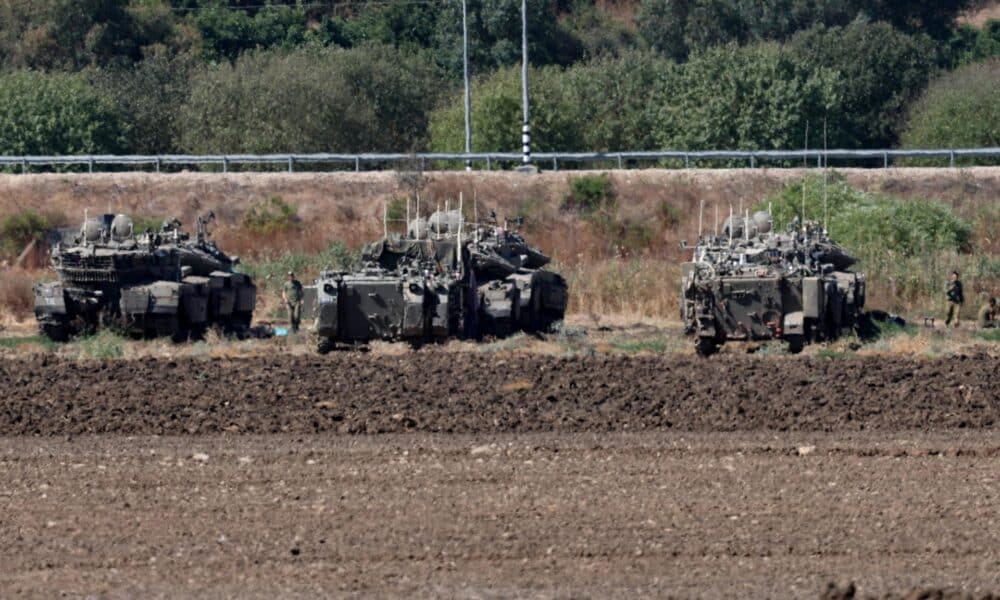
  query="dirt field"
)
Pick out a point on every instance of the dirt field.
point(500, 476)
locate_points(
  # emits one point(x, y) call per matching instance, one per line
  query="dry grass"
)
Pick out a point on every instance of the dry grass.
point(981, 13)
point(623, 263)
point(17, 300)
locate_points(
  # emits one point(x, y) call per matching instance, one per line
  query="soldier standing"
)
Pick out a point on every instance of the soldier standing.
point(955, 299)
point(987, 318)
point(292, 295)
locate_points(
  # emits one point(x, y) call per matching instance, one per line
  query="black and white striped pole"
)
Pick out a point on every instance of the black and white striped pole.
point(526, 126)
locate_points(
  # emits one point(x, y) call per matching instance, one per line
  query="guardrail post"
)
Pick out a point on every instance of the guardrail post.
point(24, 166)
point(885, 160)
point(225, 164)
point(158, 160)
point(423, 163)
point(555, 163)
point(291, 164)
point(619, 161)
point(357, 164)
point(753, 161)
point(687, 161)
point(951, 159)
point(489, 164)
point(90, 164)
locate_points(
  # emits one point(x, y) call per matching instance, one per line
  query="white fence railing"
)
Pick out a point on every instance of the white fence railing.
point(490, 160)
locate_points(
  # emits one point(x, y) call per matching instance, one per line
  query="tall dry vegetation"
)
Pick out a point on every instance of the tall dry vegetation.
point(620, 254)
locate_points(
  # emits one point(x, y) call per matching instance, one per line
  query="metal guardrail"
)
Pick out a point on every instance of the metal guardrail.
point(631, 159)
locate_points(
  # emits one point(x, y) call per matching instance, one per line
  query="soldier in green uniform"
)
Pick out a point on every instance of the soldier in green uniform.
point(988, 315)
point(955, 299)
point(292, 295)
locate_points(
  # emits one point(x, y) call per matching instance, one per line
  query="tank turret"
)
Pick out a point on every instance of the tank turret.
point(143, 283)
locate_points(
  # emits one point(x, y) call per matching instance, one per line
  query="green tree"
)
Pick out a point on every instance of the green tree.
point(754, 97)
point(72, 34)
point(149, 94)
point(958, 110)
point(312, 100)
point(56, 114)
point(496, 114)
point(882, 70)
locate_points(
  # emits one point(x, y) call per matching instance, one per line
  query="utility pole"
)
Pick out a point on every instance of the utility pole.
point(526, 127)
point(468, 97)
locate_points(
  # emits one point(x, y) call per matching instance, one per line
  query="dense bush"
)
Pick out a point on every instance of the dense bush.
point(19, 229)
point(959, 110)
point(862, 221)
point(313, 100)
point(149, 96)
point(283, 75)
point(270, 217)
point(753, 97)
point(56, 114)
point(881, 71)
point(589, 193)
point(729, 97)
point(677, 28)
point(497, 117)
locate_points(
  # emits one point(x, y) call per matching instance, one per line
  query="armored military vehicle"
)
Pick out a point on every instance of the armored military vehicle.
point(752, 283)
point(438, 280)
point(151, 283)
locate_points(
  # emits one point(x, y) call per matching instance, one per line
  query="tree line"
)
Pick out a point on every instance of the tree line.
point(205, 76)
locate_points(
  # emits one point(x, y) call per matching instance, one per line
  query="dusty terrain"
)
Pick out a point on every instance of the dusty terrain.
point(499, 476)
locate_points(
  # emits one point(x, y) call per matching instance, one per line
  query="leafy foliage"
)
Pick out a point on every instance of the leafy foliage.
point(881, 71)
point(313, 100)
point(283, 75)
point(271, 216)
point(19, 229)
point(56, 114)
point(958, 110)
point(589, 193)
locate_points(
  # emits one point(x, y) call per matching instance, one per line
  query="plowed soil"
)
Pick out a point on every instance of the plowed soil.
point(500, 476)
point(446, 392)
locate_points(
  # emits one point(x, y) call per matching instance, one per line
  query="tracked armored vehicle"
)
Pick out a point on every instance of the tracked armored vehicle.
point(752, 283)
point(436, 281)
point(143, 284)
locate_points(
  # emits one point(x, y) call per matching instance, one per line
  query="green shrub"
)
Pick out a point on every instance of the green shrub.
point(269, 271)
point(862, 221)
point(19, 229)
point(103, 345)
point(905, 246)
point(589, 193)
point(312, 100)
point(271, 216)
point(959, 110)
point(56, 113)
point(396, 210)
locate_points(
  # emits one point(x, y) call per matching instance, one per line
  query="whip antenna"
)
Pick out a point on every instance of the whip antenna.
point(805, 167)
point(826, 162)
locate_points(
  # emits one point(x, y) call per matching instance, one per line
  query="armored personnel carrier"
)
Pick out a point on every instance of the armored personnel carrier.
point(438, 281)
point(143, 284)
point(752, 283)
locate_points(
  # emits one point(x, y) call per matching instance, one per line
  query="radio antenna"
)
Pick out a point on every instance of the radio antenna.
point(701, 212)
point(805, 167)
point(826, 162)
